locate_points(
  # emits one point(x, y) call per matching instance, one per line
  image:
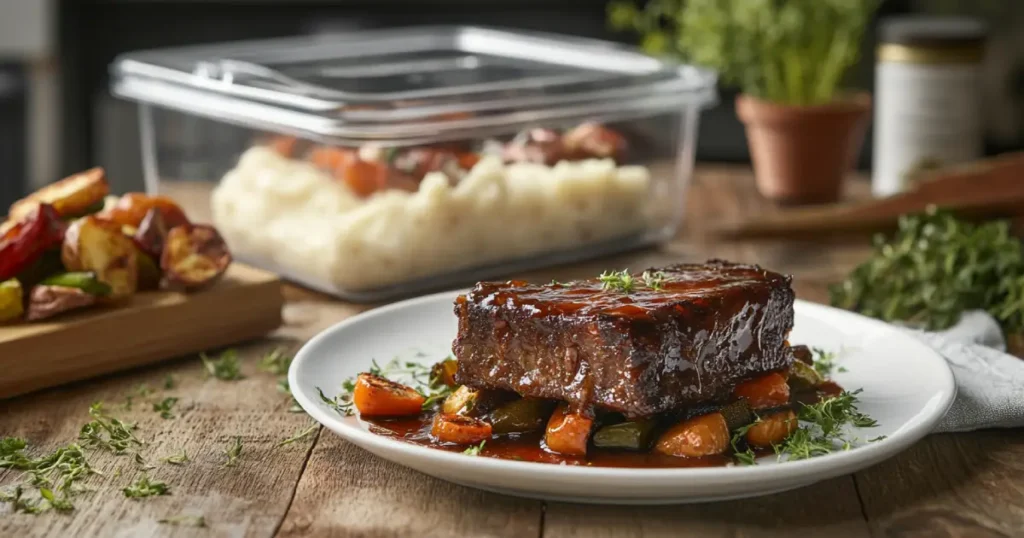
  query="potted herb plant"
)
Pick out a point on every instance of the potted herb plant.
point(788, 57)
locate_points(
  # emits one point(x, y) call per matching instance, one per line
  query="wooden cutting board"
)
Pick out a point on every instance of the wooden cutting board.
point(154, 326)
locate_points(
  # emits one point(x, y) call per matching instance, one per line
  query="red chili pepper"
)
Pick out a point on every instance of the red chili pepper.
point(26, 241)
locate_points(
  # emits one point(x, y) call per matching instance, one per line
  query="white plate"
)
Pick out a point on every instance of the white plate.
point(907, 387)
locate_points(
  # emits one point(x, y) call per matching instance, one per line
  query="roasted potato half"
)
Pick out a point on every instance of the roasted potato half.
point(194, 256)
point(93, 244)
point(71, 196)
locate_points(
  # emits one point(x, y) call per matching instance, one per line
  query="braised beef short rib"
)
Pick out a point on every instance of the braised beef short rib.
point(684, 341)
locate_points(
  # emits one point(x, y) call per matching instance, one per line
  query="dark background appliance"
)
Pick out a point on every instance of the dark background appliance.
point(13, 121)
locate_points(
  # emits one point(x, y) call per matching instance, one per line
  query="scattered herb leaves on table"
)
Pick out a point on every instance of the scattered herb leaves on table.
point(226, 366)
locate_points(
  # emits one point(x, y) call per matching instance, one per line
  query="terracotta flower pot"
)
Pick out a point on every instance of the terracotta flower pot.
point(802, 154)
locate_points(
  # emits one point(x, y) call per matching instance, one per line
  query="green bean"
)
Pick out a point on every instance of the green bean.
point(85, 281)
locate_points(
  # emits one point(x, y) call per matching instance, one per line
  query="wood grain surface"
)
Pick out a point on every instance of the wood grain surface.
point(152, 326)
point(947, 485)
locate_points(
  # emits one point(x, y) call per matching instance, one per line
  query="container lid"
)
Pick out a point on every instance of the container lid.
point(410, 84)
point(932, 31)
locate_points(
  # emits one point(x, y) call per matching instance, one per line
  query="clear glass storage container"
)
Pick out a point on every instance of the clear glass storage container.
point(376, 164)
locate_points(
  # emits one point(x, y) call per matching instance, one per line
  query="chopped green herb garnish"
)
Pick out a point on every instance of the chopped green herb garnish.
point(54, 475)
point(143, 390)
point(144, 487)
point(233, 452)
point(654, 280)
point(184, 521)
point(299, 435)
point(283, 386)
point(226, 367)
point(824, 361)
point(746, 456)
point(107, 432)
point(141, 462)
point(342, 403)
point(879, 438)
point(822, 431)
point(176, 459)
point(620, 280)
point(276, 361)
point(164, 407)
point(170, 382)
point(475, 450)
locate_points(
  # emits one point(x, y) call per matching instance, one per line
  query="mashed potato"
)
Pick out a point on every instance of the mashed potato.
point(290, 214)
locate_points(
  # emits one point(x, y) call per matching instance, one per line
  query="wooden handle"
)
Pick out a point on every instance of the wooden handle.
point(987, 190)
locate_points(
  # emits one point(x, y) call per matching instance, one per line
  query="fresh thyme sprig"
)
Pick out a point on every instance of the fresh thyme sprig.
point(145, 487)
point(164, 407)
point(475, 449)
point(179, 458)
point(746, 456)
point(233, 452)
point(342, 402)
point(617, 280)
point(106, 432)
point(59, 471)
point(226, 367)
point(300, 435)
point(824, 361)
point(822, 425)
point(934, 269)
point(276, 361)
point(654, 279)
point(285, 387)
point(418, 376)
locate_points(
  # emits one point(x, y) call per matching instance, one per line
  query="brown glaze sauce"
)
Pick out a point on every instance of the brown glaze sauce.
point(589, 297)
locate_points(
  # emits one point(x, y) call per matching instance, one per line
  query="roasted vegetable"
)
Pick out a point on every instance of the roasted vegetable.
point(737, 414)
point(11, 301)
point(459, 429)
point(522, 415)
point(772, 429)
point(594, 140)
point(83, 280)
point(72, 196)
point(706, 435)
point(443, 373)
point(48, 301)
point(131, 208)
point(460, 402)
point(803, 377)
point(149, 271)
point(765, 392)
point(151, 234)
point(27, 240)
point(194, 256)
point(630, 435)
point(568, 433)
point(96, 245)
point(375, 396)
point(802, 354)
point(535, 146)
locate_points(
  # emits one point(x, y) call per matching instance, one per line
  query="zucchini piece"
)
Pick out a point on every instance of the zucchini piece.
point(737, 414)
point(82, 280)
point(521, 416)
point(803, 377)
point(631, 435)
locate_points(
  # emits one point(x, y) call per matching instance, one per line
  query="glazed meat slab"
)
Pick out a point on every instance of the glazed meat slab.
point(685, 341)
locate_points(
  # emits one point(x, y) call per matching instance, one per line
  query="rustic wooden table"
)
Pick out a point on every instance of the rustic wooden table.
point(947, 485)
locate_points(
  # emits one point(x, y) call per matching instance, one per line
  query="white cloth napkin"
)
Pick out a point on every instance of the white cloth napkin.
point(989, 382)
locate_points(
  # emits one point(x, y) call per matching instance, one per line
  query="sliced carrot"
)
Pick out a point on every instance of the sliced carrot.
point(764, 392)
point(468, 160)
point(568, 433)
point(375, 396)
point(772, 429)
point(331, 158)
point(459, 429)
point(364, 177)
point(705, 435)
